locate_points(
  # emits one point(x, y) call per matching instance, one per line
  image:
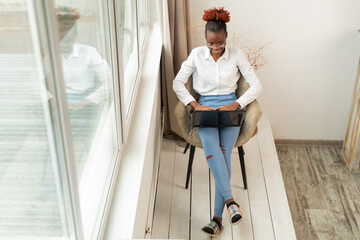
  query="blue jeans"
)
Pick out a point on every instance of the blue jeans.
point(218, 143)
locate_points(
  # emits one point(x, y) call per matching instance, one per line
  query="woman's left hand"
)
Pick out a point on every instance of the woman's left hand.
point(230, 107)
point(80, 105)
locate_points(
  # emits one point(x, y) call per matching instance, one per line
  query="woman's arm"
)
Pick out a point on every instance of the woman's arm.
point(182, 77)
point(102, 73)
point(251, 78)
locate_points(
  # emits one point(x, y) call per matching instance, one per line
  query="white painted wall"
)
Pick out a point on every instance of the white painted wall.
point(308, 82)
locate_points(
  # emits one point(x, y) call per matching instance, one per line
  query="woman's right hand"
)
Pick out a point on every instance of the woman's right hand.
point(203, 108)
point(197, 106)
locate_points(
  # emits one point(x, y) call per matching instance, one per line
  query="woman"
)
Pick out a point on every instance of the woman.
point(216, 69)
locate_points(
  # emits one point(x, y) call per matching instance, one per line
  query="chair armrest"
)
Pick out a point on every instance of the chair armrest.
point(182, 114)
point(249, 127)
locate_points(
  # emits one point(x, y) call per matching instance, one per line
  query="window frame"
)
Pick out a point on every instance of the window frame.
point(45, 26)
point(43, 13)
point(146, 30)
point(127, 111)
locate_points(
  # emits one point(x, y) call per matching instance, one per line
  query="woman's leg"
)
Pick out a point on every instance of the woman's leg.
point(228, 137)
point(216, 101)
point(215, 159)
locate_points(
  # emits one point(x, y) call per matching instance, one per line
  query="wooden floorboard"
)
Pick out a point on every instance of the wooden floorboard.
point(180, 204)
point(181, 213)
point(259, 205)
point(324, 197)
point(161, 222)
point(243, 230)
point(278, 203)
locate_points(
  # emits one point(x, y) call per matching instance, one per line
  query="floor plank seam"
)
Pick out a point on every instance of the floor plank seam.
point(172, 189)
point(190, 205)
point(156, 189)
point(266, 188)
point(248, 196)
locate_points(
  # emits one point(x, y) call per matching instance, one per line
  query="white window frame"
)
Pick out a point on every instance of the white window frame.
point(43, 14)
point(127, 111)
point(46, 30)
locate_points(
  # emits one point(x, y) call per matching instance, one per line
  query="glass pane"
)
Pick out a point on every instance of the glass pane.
point(87, 69)
point(128, 36)
point(31, 204)
point(143, 21)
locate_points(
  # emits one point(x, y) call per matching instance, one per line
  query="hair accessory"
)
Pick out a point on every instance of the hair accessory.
point(66, 17)
point(216, 14)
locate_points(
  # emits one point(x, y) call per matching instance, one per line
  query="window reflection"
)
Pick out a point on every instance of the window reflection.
point(86, 63)
point(87, 77)
point(143, 21)
point(30, 200)
point(129, 48)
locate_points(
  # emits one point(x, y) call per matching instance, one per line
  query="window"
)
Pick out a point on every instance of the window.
point(143, 15)
point(128, 50)
point(34, 200)
point(132, 21)
point(85, 48)
point(62, 64)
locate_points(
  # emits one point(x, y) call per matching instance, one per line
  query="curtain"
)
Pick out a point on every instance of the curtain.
point(173, 16)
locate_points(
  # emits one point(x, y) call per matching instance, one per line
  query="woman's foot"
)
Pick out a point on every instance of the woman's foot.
point(234, 212)
point(213, 228)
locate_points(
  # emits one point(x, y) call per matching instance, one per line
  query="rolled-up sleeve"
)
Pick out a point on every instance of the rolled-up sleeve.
point(251, 78)
point(182, 77)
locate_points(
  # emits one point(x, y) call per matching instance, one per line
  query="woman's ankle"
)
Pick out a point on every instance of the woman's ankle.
point(231, 203)
point(229, 200)
point(220, 219)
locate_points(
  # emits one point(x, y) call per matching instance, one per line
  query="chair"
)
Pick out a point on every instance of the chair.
point(191, 136)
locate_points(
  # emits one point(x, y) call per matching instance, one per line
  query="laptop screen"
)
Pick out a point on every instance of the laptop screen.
point(218, 118)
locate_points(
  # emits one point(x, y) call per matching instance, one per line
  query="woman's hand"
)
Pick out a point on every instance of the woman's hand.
point(80, 105)
point(197, 106)
point(230, 107)
point(203, 108)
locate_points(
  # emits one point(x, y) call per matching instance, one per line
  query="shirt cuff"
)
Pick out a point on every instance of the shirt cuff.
point(186, 101)
point(241, 102)
point(93, 99)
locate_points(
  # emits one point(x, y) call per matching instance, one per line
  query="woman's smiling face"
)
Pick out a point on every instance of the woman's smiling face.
point(216, 42)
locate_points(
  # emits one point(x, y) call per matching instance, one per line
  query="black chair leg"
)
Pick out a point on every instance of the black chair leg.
point(242, 164)
point(186, 148)
point(191, 159)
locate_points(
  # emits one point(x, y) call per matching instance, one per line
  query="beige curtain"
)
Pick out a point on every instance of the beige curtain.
point(173, 19)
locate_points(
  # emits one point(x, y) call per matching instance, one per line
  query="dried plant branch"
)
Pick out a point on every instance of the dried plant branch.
point(255, 55)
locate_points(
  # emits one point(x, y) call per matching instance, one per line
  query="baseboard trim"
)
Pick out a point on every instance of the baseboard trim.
point(307, 142)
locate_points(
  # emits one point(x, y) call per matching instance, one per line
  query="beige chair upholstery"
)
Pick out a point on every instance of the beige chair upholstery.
point(248, 129)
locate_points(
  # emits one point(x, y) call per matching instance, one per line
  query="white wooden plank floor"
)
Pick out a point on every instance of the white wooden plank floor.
point(180, 213)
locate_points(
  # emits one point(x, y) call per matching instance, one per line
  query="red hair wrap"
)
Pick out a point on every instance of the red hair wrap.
point(216, 14)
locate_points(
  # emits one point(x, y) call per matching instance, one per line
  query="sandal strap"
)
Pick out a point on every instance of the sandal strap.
point(234, 210)
point(213, 225)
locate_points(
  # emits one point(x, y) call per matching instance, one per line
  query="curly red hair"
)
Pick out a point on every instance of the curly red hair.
point(216, 14)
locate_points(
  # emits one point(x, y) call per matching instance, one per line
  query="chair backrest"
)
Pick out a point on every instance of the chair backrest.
point(243, 86)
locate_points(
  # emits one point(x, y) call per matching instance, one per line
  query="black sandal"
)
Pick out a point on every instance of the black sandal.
point(213, 229)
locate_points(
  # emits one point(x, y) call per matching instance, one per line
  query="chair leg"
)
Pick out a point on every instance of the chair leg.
point(191, 158)
point(186, 148)
point(242, 164)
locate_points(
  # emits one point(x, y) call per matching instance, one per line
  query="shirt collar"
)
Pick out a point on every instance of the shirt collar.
point(225, 55)
point(74, 52)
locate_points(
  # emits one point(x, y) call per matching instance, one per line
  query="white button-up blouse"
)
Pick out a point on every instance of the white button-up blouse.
point(215, 78)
